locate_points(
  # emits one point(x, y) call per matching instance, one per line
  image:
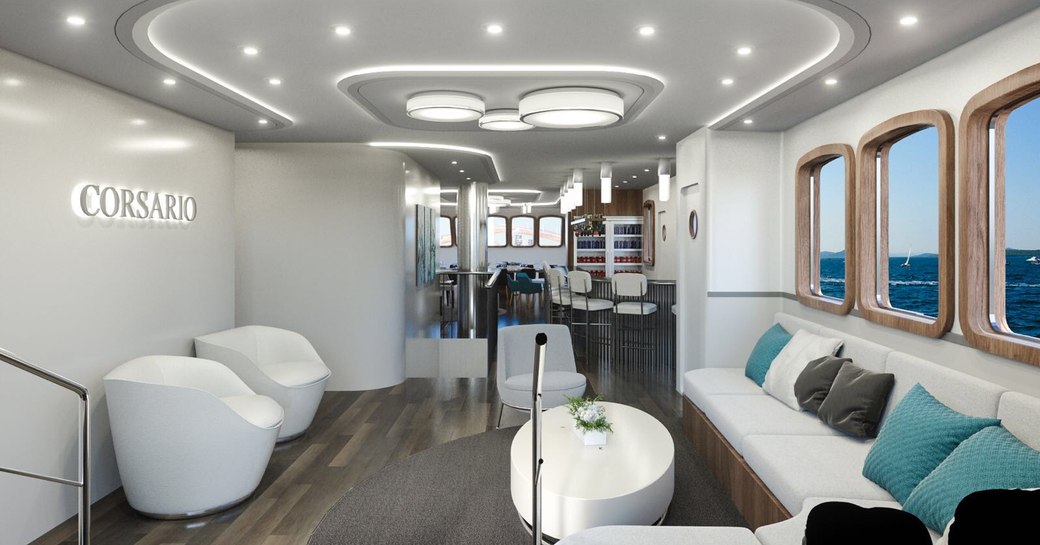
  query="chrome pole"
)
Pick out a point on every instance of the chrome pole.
point(536, 437)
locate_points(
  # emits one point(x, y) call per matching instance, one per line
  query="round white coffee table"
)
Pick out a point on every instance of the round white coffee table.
point(628, 481)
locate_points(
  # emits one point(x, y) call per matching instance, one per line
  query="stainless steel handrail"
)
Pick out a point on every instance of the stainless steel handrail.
point(84, 437)
point(494, 278)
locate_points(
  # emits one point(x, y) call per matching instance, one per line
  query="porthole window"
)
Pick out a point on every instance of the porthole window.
point(825, 226)
point(550, 231)
point(906, 222)
point(445, 232)
point(1000, 226)
point(521, 230)
point(497, 230)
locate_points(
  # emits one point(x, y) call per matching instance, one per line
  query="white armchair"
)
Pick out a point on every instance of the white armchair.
point(515, 360)
point(190, 437)
point(276, 363)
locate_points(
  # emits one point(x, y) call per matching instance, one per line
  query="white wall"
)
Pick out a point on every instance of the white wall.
point(692, 291)
point(326, 248)
point(666, 249)
point(945, 83)
point(83, 296)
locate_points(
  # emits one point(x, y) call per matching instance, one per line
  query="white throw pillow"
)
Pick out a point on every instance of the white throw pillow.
point(791, 361)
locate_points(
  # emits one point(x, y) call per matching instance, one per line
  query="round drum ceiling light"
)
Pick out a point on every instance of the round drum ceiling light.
point(572, 108)
point(503, 120)
point(445, 107)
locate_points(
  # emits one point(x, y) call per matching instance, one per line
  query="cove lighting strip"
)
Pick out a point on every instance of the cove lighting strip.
point(443, 147)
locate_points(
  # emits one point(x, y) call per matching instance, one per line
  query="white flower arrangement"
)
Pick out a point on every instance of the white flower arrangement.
point(588, 416)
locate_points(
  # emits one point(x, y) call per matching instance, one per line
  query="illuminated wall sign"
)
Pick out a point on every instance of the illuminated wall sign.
point(115, 202)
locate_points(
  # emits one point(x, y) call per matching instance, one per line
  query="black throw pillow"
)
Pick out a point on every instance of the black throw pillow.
point(812, 386)
point(996, 516)
point(856, 401)
point(841, 523)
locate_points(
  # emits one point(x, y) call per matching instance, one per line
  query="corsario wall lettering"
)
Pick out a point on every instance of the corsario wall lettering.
point(134, 204)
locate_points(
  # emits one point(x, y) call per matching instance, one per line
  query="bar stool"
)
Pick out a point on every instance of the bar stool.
point(581, 292)
point(633, 314)
point(559, 295)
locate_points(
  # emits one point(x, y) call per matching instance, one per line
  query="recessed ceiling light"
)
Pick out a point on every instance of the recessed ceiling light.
point(76, 20)
point(624, 181)
point(617, 186)
point(646, 30)
point(748, 121)
point(468, 178)
point(727, 81)
point(461, 171)
point(341, 30)
point(445, 107)
point(493, 28)
point(909, 20)
point(743, 51)
point(274, 81)
point(169, 81)
point(138, 122)
point(506, 119)
point(830, 81)
point(662, 137)
point(571, 108)
point(454, 162)
point(250, 50)
point(646, 170)
point(263, 121)
point(635, 175)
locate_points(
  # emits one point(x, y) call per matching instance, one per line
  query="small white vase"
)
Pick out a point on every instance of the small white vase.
point(591, 438)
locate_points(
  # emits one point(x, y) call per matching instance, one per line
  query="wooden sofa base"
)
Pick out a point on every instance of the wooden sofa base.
point(751, 496)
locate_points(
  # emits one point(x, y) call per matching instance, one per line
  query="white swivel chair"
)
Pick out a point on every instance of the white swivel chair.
point(190, 437)
point(516, 359)
point(275, 362)
point(633, 314)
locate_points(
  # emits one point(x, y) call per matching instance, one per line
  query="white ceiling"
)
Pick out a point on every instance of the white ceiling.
point(352, 89)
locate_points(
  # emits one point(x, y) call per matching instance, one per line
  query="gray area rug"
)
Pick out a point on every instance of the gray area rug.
point(459, 493)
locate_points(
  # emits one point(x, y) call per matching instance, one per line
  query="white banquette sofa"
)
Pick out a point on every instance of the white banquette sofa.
point(776, 462)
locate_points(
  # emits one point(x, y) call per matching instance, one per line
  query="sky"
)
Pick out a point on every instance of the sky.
point(913, 189)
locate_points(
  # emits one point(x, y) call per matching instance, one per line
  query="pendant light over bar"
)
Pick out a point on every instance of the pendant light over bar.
point(445, 107)
point(664, 179)
point(572, 108)
point(579, 187)
point(605, 182)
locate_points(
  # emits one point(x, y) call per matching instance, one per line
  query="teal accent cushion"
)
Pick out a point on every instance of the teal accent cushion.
point(919, 434)
point(990, 459)
point(768, 346)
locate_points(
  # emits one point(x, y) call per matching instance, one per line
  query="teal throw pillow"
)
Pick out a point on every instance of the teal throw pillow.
point(919, 434)
point(990, 459)
point(768, 346)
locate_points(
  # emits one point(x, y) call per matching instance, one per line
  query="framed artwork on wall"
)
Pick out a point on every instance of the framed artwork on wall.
point(425, 245)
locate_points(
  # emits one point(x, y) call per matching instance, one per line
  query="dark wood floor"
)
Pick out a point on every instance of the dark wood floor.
point(354, 435)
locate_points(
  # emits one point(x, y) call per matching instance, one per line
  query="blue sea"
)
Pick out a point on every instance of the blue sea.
point(916, 288)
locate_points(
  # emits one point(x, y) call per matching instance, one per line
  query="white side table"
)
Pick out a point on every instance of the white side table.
point(629, 481)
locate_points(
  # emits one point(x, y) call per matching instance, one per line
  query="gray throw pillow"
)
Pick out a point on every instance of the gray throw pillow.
point(856, 401)
point(812, 386)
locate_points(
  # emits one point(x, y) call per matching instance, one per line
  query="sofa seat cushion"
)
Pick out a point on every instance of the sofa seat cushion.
point(799, 467)
point(661, 535)
point(739, 416)
point(792, 530)
point(296, 374)
point(701, 383)
point(260, 411)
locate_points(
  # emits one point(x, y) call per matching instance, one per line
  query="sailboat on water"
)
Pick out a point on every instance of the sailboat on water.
point(1033, 260)
point(906, 263)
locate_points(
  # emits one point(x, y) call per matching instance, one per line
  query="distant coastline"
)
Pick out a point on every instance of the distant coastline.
point(1009, 253)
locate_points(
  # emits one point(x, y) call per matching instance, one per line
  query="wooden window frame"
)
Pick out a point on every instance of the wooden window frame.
point(508, 223)
point(807, 229)
point(534, 231)
point(451, 229)
point(980, 294)
point(538, 230)
point(877, 142)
